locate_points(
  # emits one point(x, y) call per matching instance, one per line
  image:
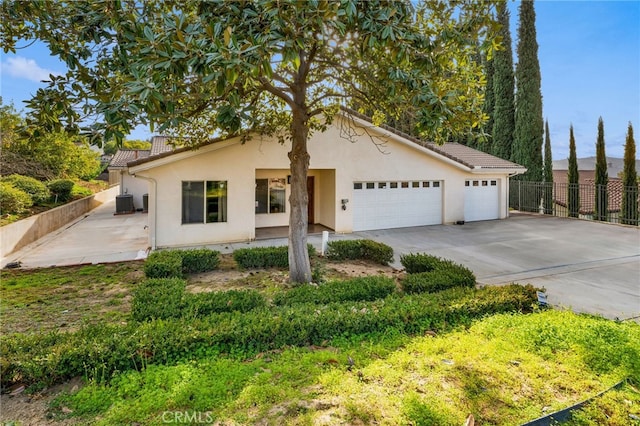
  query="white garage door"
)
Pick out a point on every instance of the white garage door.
point(383, 205)
point(481, 200)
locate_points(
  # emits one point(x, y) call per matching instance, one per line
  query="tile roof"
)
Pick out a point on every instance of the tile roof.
point(124, 156)
point(161, 144)
point(459, 153)
point(462, 154)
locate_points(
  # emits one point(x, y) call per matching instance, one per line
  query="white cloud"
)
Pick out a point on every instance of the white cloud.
point(20, 67)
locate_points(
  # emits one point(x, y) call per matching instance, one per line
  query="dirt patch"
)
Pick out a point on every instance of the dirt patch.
point(33, 410)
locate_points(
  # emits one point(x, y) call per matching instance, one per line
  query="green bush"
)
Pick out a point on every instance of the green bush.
point(199, 260)
point(265, 257)
point(419, 262)
point(360, 249)
point(78, 192)
point(158, 298)
point(61, 189)
point(203, 304)
point(97, 351)
point(37, 190)
point(437, 280)
point(163, 264)
point(355, 289)
point(13, 200)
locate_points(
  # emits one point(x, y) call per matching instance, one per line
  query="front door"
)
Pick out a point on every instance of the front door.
point(310, 207)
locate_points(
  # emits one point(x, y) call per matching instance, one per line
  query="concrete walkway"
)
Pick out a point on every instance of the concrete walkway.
point(97, 237)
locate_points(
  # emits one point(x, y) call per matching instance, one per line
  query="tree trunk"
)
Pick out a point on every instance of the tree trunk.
point(299, 265)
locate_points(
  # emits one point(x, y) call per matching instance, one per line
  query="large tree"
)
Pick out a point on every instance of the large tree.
point(547, 174)
point(274, 67)
point(629, 213)
point(527, 146)
point(503, 89)
point(602, 177)
point(573, 177)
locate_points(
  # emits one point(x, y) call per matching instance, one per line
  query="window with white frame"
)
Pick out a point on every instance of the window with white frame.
point(204, 201)
point(271, 195)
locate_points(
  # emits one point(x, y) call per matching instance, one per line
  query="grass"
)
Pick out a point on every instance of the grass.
point(63, 298)
point(505, 370)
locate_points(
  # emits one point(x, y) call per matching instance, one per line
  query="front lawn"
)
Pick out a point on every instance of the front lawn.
point(256, 351)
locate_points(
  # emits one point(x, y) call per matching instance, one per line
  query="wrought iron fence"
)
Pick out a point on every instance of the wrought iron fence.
point(610, 203)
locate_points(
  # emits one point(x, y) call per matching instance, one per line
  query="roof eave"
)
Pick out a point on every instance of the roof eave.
point(512, 171)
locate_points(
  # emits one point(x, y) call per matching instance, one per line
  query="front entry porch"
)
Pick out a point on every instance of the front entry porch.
point(283, 231)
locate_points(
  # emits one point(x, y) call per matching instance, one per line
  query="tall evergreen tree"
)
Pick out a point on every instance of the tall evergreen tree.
point(489, 104)
point(629, 213)
point(527, 145)
point(602, 178)
point(548, 172)
point(573, 200)
point(503, 88)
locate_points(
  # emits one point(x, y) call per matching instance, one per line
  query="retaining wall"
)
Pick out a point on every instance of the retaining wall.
point(18, 234)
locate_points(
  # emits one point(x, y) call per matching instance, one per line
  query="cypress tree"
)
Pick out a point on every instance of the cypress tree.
point(527, 145)
point(629, 212)
point(602, 178)
point(548, 172)
point(503, 88)
point(489, 104)
point(573, 201)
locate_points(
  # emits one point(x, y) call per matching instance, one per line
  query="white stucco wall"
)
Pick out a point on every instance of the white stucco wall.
point(335, 162)
point(136, 187)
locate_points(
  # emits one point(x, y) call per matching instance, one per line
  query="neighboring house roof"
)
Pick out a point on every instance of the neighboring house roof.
point(614, 165)
point(160, 144)
point(463, 155)
point(124, 156)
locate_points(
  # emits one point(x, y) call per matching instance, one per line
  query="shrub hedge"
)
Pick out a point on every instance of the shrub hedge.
point(13, 200)
point(199, 260)
point(176, 263)
point(419, 262)
point(360, 249)
point(356, 289)
point(429, 274)
point(438, 280)
point(158, 298)
point(61, 188)
point(163, 264)
point(265, 257)
point(37, 190)
point(99, 351)
point(203, 304)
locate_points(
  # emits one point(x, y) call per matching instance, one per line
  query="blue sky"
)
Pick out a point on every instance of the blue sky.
point(589, 54)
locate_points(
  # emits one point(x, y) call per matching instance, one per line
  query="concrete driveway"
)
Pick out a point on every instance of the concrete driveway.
point(587, 266)
point(97, 237)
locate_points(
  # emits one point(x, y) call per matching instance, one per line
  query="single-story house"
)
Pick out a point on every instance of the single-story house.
point(361, 177)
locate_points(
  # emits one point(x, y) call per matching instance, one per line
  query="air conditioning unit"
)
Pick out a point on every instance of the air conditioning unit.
point(124, 204)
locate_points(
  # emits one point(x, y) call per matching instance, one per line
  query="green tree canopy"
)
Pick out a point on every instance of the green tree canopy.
point(602, 177)
point(527, 145)
point(44, 157)
point(112, 146)
point(548, 171)
point(503, 90)
point(275, 67)
point(573, 177)
point(629, 212)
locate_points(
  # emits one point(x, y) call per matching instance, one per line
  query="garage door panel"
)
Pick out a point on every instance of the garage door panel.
point(481, 200)
point(384, 207)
